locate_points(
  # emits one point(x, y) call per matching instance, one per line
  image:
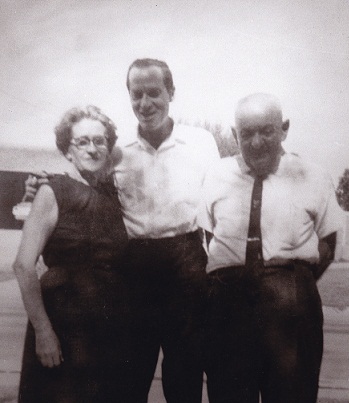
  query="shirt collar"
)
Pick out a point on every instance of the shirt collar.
point(169, 142)
point(245, 169)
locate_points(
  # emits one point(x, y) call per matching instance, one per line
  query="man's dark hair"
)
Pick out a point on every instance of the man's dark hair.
point(166, 72)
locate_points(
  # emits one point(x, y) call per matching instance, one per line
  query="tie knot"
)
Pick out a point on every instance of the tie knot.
point(260, 178)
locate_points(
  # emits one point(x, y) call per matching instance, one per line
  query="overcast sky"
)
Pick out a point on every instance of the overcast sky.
point(60, 53)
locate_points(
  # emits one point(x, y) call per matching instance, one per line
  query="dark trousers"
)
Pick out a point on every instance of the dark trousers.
point(168, 280)
point(263, 335)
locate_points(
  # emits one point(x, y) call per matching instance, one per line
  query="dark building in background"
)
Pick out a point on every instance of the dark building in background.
point(11, 193)
point(15, 166)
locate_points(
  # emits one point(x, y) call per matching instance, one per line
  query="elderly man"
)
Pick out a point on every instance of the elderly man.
point(272, 219)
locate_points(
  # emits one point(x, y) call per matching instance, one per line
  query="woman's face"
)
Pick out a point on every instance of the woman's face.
point(88, 150)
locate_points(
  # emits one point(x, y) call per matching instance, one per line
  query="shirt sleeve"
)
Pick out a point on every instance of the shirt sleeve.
point(330, 216)
point(205, 216)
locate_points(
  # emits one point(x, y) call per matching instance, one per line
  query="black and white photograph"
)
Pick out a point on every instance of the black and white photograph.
point(174, 201)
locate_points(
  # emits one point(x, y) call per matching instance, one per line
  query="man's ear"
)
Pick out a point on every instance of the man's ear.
point(171, 93)
point(285, 126)
point(235, 135)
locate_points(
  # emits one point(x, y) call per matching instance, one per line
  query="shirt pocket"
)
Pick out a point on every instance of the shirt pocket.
point(300, 224)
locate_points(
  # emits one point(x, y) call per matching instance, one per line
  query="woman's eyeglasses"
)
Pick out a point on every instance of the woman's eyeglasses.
point(83, 142)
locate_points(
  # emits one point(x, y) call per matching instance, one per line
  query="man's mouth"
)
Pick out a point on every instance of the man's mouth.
point(259, 155)
point(147, 116)
point(259, 159)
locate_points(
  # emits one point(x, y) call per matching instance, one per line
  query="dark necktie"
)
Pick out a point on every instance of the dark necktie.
point(254, 255)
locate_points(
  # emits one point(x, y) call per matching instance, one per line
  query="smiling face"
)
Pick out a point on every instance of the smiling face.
point(149, 97)
point(260, 132)
point(92, 154)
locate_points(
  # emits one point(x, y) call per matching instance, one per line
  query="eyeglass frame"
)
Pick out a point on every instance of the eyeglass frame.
point(90, 140)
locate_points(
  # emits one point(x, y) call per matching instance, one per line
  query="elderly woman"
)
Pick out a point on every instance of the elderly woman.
point(77, 342)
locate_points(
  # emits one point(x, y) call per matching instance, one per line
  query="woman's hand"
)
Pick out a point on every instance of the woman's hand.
point(33, 182)
point(48, 348)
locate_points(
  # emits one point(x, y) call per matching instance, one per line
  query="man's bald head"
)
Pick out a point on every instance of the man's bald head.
point(257, 104)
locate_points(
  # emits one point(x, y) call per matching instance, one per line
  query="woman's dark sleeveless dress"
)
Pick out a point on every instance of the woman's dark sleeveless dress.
point(86, 298)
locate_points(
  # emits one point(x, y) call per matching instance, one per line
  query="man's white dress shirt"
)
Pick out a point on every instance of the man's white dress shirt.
point(299, 207)
point(160, 189)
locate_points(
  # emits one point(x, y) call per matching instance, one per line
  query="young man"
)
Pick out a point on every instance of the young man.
point(159, 180)
point(273, 220)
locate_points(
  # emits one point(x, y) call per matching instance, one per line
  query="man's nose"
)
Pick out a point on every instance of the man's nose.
point(144, 101)
point(257, 140)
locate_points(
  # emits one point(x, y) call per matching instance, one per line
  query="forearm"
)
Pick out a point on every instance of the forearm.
point(327, 247)
point(32, 298)
point(47, 345)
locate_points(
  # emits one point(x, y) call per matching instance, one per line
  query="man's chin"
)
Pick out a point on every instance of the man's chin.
point(147, 125)
point(262, 168)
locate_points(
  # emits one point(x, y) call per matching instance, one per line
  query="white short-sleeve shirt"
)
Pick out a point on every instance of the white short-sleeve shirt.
point(160, 189)
point(299, 207)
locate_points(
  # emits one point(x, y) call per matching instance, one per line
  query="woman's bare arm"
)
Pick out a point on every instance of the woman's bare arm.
point(36, 231)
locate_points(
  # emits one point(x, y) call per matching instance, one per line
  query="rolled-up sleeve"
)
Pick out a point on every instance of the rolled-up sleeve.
point(205, 216)
point(330, 216)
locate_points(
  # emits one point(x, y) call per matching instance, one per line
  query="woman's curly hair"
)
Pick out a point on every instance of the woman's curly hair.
point(63, 130)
